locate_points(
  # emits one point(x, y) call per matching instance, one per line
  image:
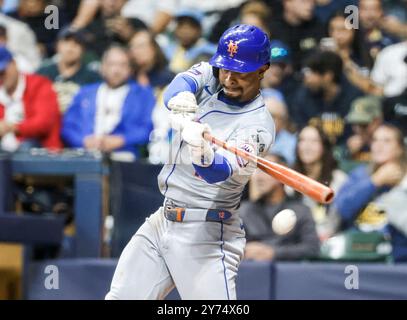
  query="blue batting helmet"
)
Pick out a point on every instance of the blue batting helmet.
point(242, 48)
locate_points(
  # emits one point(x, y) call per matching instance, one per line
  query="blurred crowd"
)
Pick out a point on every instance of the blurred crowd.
point(336, 88)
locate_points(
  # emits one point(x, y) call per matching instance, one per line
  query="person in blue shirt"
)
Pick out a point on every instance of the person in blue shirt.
point(374, 197)
point(114, 115)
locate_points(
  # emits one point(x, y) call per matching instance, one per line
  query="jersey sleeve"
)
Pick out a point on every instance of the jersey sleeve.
point(193, 80)
point(255, 140)
point(200, 74)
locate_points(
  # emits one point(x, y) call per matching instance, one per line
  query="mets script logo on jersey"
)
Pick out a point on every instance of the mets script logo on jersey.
point(232, 48)
point(248, 148)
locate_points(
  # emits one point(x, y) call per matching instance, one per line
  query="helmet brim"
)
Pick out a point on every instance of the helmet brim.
point(232, 64)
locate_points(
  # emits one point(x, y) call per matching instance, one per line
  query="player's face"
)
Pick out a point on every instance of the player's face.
point(241, 86)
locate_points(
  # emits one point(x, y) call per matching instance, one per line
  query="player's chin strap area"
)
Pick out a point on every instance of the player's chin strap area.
point(178, 214)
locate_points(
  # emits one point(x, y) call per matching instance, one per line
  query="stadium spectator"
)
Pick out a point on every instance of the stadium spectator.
point(365, 117)
point(324, 98)
point(314, 158)
point(67, 70)
point(277, 227)
point(114, 115)
point(21, 42)
point(299, 28)
point(324, 9)
point(371, 16)
point(157, 15)
point(395, 111)
point(230, 17)
point(390, 70)
point(28, 108)
point(150, 63)
point(285, 141)
point(256, 13)
point(349, 44)
point(394, 22)
point(32, 12)
point(22, 63)
point(280, 75)
point(375, 195)
point(109, 27)
point(85, 12)
point(188, 46)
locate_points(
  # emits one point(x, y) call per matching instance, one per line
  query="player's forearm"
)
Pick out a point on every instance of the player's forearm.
point(220, 170)
point(179, 84)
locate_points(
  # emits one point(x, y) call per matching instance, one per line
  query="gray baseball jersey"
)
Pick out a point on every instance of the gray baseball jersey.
point(249, 127)
point(200, 258)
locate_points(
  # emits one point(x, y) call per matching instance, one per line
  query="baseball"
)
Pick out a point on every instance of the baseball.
point(284, 222)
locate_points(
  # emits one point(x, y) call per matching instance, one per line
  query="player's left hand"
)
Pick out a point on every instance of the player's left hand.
point(200, 150)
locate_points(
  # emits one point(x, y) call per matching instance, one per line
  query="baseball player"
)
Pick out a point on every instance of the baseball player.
point(196, 240)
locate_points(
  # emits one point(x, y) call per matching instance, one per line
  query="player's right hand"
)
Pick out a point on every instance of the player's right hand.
point(184, 103)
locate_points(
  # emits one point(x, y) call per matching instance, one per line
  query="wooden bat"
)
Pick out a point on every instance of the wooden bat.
point(289, 177)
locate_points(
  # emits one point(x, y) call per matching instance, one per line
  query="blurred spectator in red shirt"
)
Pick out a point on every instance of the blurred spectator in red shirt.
point(29, 110)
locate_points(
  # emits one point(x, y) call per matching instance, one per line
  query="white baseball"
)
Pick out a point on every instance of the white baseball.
point(284, 221)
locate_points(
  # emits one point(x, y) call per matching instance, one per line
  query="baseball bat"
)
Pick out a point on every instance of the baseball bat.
point(289, 177)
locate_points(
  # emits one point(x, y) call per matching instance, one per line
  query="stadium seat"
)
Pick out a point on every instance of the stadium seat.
point(355, 245)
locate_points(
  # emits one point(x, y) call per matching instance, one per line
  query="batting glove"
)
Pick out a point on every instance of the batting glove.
point(200, 150)
point(178, 121)
point(184, 103)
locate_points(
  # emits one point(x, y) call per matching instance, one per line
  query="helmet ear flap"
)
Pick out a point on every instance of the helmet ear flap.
point(215, 72)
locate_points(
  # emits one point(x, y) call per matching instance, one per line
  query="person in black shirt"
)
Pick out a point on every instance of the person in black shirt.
point(325, 96)
point(67, 70)
point(298, 28)
point(110, 27)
